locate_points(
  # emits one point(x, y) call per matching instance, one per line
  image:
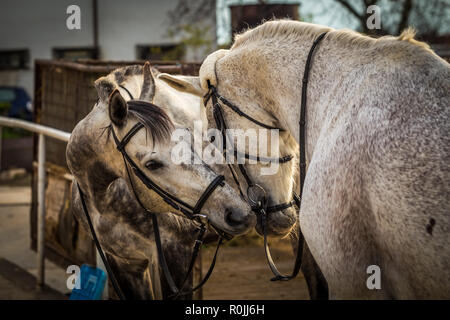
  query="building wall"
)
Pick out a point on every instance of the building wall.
point(124, 24)
point(40, 26)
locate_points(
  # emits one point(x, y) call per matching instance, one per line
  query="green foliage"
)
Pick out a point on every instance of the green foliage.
point(194, 36)
point(174, 54)
point(307, 18)
point(12, 133)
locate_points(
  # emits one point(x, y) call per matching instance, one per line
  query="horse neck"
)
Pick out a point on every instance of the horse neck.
point(83, 155)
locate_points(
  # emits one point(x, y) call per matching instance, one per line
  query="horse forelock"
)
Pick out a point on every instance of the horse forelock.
point(155, 120)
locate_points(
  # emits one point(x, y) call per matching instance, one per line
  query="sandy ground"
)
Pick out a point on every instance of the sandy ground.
point(15, 246)
point(18, 284)
point(241, 272)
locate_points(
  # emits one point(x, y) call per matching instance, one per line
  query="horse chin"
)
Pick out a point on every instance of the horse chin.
point(228, 230)
point(231, 231)
point(279, 224)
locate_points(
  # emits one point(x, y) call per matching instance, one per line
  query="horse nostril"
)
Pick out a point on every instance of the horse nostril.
point(233, 217)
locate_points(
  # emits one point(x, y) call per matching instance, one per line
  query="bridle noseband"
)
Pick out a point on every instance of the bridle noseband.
point(261, 206)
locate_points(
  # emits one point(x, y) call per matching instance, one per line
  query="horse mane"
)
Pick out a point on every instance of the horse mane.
point(283, 28)
point(295, 30)
point(123, 73)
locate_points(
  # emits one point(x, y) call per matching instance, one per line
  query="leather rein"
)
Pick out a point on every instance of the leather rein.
point(260, 205)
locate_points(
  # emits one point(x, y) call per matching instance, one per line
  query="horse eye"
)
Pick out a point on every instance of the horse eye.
point(153, 165)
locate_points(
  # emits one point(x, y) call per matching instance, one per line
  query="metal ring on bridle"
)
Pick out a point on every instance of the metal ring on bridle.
point(201, 218)
point(256, 201)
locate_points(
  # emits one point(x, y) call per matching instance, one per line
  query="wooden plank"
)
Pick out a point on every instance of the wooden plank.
point(64, 239)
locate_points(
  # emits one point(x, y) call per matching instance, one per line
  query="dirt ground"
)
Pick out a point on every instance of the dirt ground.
point(242, 273)
point(17, 260)
point(241, 270)
point(18, 284)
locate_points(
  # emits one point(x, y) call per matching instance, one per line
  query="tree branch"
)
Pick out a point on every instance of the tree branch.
point(351, 9)
point(407, 8)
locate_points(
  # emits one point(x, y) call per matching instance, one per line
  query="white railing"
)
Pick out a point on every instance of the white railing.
point(42, 131)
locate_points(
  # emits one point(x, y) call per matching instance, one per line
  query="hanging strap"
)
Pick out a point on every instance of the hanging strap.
point(215, 95)
point(113, 279)
point(270, 261)
point(302, 121)
point(298, 260)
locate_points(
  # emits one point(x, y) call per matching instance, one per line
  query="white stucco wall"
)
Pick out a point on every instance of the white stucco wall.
point(40, 26)
point(124, 24)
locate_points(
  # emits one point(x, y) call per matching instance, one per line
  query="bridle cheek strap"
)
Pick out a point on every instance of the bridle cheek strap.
point(218, 181)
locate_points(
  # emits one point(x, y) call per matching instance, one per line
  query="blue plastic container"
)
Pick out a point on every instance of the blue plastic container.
point(92, 284)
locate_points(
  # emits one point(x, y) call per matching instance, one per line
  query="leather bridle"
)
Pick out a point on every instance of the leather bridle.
point(260, 206)
point(191, 212)
point(259, 203)
point(222, 127)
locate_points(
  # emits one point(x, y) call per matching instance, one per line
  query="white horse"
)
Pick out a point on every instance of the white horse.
point(377, 189)
point(278, 185)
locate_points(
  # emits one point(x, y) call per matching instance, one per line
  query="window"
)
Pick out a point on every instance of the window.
point(75, 53)
point(14, 59)
point(160, 52)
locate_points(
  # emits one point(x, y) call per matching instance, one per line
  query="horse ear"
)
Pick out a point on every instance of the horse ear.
point(183, 83)
point(208, 68)
point(104, 88)
point(118, 108)
point(148, 87)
